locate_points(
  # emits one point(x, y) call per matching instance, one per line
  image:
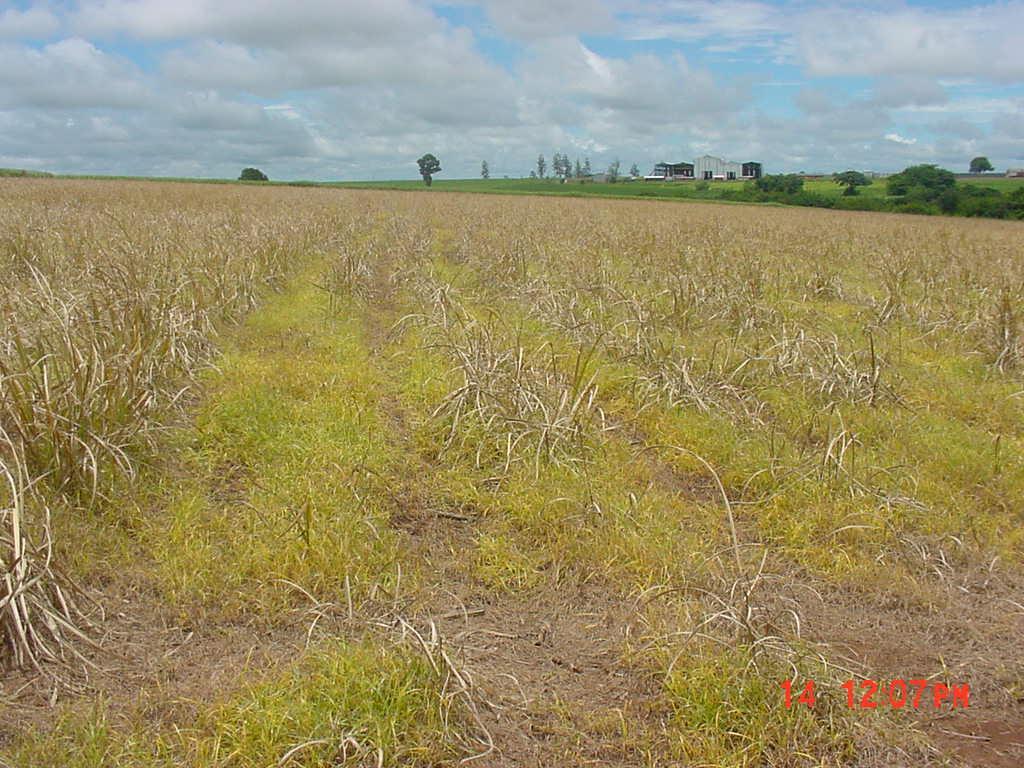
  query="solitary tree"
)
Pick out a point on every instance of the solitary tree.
point(980, 165)
point(851, 180)
point(542, 166)
point(485, 172)
point(253, 174)
point(586, 167)
point(634, 170)
point(613, 171)
point(429, 165)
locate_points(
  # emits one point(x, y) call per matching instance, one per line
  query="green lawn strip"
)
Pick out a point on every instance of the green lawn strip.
point(339, 704)
point(275, 468)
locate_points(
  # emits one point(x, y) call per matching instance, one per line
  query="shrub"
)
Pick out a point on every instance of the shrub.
point(1015, 204)
point(810, 199)
point(914, 206)
point(848, 203)
point(786, 183)
point(948, 200)
point(984, 201)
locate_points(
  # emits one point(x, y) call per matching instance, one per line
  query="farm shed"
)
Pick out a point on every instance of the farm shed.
point(710, 167)
point(706, 167)
point(668, 171)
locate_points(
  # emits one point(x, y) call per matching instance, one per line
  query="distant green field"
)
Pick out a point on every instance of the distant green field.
point(716, 191)
point(641, 189)
point(1001, 183)
point(830, 189)
point(545, 187)
point(625, 188)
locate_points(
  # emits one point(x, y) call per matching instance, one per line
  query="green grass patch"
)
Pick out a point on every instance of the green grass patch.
point(729, 712)
point(340, 704)
point(280, 464)
point(361, 701)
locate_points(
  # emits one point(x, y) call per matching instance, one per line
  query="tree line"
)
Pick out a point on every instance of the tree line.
point(563, 168)
point(925, 189)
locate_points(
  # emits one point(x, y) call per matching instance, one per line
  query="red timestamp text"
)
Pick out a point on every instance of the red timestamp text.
point(894, 694)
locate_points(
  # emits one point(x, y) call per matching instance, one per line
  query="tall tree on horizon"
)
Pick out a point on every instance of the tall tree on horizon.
point(564, 167)
point(429, 165)
point(485, 171)
point(542, 166)
point(980, 165)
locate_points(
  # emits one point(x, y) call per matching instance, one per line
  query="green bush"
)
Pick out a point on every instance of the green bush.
point(948, 200)
point(984, 201)
point(917, 207)
point(861, 203)
point(786, 183)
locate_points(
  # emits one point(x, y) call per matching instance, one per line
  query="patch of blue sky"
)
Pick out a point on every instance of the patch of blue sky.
point(945, 5)
point(145, 55)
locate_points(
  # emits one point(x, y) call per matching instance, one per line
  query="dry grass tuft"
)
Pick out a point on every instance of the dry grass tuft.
point(39, 615)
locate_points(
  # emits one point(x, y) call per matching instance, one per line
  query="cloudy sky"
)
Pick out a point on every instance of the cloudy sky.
point(358, 89)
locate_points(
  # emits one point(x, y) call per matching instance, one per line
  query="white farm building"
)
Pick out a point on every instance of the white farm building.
point(708, 167)
point(705, 168)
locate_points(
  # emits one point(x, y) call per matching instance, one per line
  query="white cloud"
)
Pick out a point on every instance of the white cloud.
point(274, 23)
point(70, 73)
point(726, 25)
point(981, 41)
point(31, 23)
point(897, 139)
point(971, 105)
point(905, 91)
point(642, 94)
point(442, 59)
point(537, 19)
